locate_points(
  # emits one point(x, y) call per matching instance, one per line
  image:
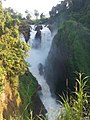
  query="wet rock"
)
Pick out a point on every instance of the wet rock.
point(41, 68)
point(38, 27)
point(38, 35)
point(39, 87)
point(38, 107)
point(37, 41)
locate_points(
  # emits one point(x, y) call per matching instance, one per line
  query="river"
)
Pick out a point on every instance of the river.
point(37, 56)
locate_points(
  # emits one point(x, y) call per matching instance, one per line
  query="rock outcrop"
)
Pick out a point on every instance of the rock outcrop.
point(38, 107)
point(37, 39)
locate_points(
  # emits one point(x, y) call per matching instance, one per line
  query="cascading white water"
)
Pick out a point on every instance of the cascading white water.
point(37, 56)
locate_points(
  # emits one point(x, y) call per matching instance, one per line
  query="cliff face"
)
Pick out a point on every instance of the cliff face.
point(28, 89)
point(19, 98)
point(69, 53)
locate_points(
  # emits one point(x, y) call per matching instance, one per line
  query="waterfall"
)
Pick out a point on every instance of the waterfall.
point(36, 57)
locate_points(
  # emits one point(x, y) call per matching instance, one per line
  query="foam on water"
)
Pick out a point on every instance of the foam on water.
point(37, 56)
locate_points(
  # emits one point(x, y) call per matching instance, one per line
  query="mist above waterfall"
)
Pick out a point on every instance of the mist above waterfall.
point(46, 40)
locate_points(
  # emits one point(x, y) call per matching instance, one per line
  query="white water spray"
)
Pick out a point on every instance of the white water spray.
point(36, 57)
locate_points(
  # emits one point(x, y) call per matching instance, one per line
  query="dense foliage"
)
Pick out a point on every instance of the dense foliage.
point(78, 10)
point(24, 22)
point(71, 45)
point(12, 50)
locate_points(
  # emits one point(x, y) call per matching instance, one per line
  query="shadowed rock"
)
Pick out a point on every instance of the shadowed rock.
point(37, 41)
point(41, 68)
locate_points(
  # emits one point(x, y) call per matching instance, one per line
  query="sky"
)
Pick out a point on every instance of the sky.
point(43, 6)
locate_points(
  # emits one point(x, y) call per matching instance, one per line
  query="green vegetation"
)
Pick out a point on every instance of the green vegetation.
point(24, 23)
point(27, 89)
point(17, 85)
point(74, 42)
point(77, 10)
point(71, 45)
point(74, 108)
point(12, 50)
point(77, 108)
point(69, 53)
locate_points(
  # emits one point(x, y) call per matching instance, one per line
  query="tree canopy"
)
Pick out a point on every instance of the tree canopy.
point(36, 13)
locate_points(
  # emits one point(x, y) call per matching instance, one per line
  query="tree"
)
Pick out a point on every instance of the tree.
point(42, 16)
point(14, 14)
point(28, 16)
point(36, 13)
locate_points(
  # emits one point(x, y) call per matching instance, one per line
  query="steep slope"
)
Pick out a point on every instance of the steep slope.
point(69, 53)
point(15, 92)
point(16, 99)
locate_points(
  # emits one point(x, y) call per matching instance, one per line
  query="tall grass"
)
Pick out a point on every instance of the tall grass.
point(77, 107)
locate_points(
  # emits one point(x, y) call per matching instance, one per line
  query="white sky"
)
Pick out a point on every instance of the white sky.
point(43, 6)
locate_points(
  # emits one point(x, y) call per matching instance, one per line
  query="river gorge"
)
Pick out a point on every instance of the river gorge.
point(36, 57)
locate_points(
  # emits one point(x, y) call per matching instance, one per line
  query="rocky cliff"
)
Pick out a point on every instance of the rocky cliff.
point(69, 53)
